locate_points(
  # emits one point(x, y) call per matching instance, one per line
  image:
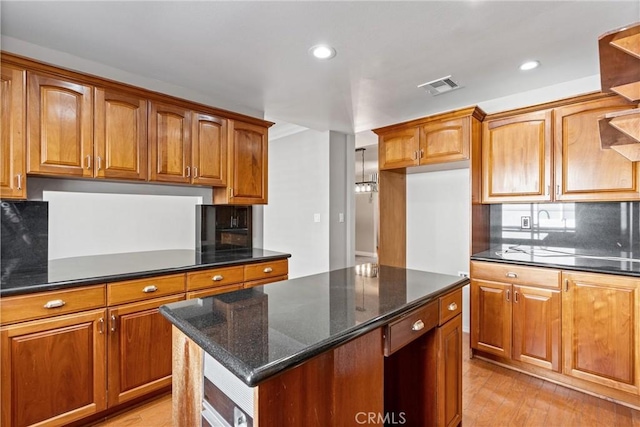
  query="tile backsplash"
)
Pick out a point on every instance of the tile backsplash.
point(599, 226)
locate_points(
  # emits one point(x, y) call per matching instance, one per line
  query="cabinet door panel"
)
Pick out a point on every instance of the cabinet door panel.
point(249, 177)
point(516, 158)
point(13, 133)
point(120, 135)
point(536, 326)
point(209, 150)
point(60, 121)
point(450, 372)
point(170, 143)
point(445, 141)
point(53, 368)
point(491, 325)
point(600, 329)
point(584, 171)
point(139, 349)
point(399, 149)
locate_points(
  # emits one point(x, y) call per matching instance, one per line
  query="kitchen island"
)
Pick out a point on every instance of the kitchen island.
point(366, 345)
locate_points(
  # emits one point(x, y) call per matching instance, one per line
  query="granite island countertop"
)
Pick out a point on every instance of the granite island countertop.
point(86, 270)
point(594, 261)
point(259, 332)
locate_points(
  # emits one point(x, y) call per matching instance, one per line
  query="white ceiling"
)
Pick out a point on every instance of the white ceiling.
point(255, 54)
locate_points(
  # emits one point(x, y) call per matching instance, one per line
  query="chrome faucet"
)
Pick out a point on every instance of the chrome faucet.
point(538, 217)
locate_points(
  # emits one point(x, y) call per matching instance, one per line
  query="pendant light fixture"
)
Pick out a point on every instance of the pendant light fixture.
point(363, 186)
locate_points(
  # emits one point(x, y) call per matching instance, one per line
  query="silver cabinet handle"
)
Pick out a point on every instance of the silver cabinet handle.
point(512, 275)
point(548, 189)
point(515, 297)
point(101, 325)
point(19, 181)
point(421, 153)
point(188, 171)
point(113, 323)
point(418, 325)
point(415, 155)
point(88, 162)
point(566, 285)
point(452, 307)
point(557, 190)
point(55, 303)
point(149, 289)
point(99, 162)
point(195, 171)
point(217, 277)
point(508, 295)
point(267, 270)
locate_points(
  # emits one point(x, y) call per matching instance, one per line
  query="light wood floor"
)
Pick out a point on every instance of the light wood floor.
point(492, 396)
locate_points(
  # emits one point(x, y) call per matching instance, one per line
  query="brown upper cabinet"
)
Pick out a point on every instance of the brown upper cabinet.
point(247, 166)
point(436, 139)
point(13, 139)
point(120, 139)
point(553, 154)
point(583, 170)
point(516, 158)
point(58, 122)
point(60, 126)
point(170, 143)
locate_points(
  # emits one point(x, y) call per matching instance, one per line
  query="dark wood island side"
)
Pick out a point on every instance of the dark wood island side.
point(370, 345)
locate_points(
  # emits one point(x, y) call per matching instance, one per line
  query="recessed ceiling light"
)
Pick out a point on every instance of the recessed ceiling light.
point(322, 51)
point(529, 65)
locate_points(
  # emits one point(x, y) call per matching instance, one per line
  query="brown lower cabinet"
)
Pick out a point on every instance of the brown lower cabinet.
point(53, 370)
point(583, 329)
point(516, 313)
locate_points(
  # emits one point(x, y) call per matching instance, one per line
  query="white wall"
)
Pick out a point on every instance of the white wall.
point(299, 189)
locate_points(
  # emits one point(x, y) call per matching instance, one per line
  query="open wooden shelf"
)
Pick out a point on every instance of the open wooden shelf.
point(620, 73)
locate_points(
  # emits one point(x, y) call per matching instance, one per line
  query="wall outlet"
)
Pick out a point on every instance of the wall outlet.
point(340, 217)
point(463, 274)
point(316, 217)
point(525, 222)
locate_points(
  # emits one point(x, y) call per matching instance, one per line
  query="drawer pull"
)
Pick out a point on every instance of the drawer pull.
point(149, 289)
point(418, 325)
point(217, 277)
point(55, 303)
point(512, 275)
point(101, 326)
point(453, 306)
point(113, 323)
point(267, 270)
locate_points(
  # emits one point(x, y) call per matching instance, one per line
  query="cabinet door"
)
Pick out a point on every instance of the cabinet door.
point(139, 349)
point(169, 143)
point(536, 326)
point(450, 373)
point(445, 141)
point(601, 337)
point(516, 158)
point(13, 143)
point(209, 150)
point(53, 369)
point(583, 170)
point(247, 166)
point(399, 148)
point(60, 127)
point(120, 135)
point(491, 317)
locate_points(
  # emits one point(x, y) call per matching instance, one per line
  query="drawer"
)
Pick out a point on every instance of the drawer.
point(214, 291)
point(264, 270)
point(264, 281)
point(141, 289)
point(450, 306)
point(46, 304)
point(515, 274)
point(406, 329)
point(215, 277)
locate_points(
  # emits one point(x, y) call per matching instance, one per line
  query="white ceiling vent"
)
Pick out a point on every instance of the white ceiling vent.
point(441, 85)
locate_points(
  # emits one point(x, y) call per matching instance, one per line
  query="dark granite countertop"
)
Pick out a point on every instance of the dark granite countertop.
point(595, 261)
point(86, 270)
point(259, 332)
